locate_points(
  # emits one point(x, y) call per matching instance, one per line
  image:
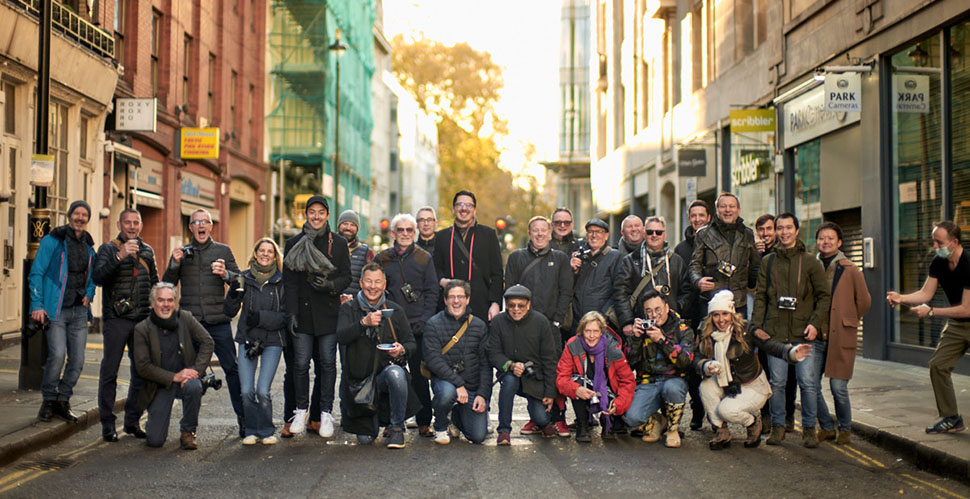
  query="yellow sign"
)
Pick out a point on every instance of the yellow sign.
point(752, 120)
point(199, 143)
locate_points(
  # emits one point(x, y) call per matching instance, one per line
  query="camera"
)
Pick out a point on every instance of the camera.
point(254, 348)
point(530, 368)
point(240, 282)
point(644, 324)
point(408, 291)
point(459, 367)
point(787, 302)
point(122, 307)
point(585, 254)
point(210, 381)
point(188, 252)
point(34, 326)
point(726, 268)
point(664, 290)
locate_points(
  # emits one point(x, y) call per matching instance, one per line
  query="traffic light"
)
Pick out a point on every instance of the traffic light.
point(385, 229)
point(501, 224)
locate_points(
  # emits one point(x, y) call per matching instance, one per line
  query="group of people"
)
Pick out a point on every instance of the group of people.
point(427, 327)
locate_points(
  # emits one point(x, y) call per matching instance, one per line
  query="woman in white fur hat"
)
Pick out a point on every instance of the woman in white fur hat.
point(735, 386)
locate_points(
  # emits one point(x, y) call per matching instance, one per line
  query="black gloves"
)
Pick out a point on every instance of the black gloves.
point(292, 325)
point(320, 283)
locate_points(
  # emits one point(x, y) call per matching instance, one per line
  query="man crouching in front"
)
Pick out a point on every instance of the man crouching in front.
point(166, 358)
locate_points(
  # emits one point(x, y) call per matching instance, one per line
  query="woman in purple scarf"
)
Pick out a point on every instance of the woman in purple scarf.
point(594, 373)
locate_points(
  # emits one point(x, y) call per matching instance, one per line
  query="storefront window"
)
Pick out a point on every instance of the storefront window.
point(751, 178)
point(960, 85)
point(917, 167)
point(808, 204)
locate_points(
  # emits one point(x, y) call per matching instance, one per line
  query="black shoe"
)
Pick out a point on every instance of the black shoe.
point(242, 426)
point(697, 422)
point(62, 409)
point(135, 431)
point(396, 439)
point(582, 434)
point(46, 411)
point(109, 434)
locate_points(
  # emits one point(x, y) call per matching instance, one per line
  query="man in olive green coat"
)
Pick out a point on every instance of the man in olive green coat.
point(791, 305)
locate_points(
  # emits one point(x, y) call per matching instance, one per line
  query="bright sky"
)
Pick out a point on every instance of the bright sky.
point(523, 38)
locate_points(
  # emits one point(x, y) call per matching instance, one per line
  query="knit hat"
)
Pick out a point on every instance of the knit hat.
point(317, 199)
point(349, 216)
point(723, 301)
point(595, 222)
point(518, 291)
point(79, 204)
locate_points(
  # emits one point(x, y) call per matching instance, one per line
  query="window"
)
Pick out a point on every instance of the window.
point(187, 69)
point(84, 138)
point(8, 253)
point(58, 147)
point(232, 101)
point(644, 94)
point(9, 107)
point(119, 28)
point(743, 28)
point(156, 45)
point(211, 93)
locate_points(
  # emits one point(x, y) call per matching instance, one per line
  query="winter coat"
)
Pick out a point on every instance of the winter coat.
point(567, 245)
point(669, 358)
point(692, 307)
point(745, 366)
point(360, 255)
point(574, 361)
point(813, 295)
point(850, 301)
point(316, 311)
point(147, 353)
point(550, 280)
point(48, 273)
point(712, 246)
point(121, 279)
point(470, 351)
point(266, 304)
point(530, 339)
point(357, 357)
point(631, 271)
point(202, 292)
point(486, 273)
point(626, 248)
point(414, 267)
point(425, 245)
point(597, 290)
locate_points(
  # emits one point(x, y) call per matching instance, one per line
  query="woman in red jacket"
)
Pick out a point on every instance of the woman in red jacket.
point(594, 373)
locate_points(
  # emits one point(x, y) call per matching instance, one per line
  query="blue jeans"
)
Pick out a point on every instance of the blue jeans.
point(393, 381)
point(67, 336)
point(648, 399)
point(257, 401)
point(807, 380)
point(160, 410)
point(225, 350)
point(506, 399)
point(304, 346)
point(840, 394)
point(472, 424)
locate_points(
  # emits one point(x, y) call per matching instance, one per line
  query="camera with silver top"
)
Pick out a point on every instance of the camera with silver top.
point(409, 295)
point(726, 268)
point(787, 302)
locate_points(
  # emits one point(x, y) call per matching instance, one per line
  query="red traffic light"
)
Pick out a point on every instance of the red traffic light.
point(385, 224)
point(501, 224)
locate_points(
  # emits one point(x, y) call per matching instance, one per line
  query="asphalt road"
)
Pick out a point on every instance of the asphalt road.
point(309, 466)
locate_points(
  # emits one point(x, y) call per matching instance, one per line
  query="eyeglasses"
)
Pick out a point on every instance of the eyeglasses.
point(464, 205)
point(425, 220)
point(595, 233)
point(651, 232)
point(562, 223)
point(201, 222)
point(404, 230)
point(456, 297)
point(516, 306)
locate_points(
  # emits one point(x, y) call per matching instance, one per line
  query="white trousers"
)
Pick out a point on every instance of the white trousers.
point(740, 408)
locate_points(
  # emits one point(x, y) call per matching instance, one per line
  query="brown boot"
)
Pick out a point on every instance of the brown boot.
point(313, 427)
point(754, 433)
point(777, 435)
point(674, 413)
point(722, 439)
point(425, 431)
point(286, 431)
point(654, 427)
point(844, 438)
point(824, 434)
point(809, 439)
point(188, 441)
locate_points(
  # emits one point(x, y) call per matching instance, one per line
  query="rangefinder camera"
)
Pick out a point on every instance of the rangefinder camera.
point(787, 302)
point(644, 324)
point(585, 254)
point(664, 290)
point(188, 252)
point(123, 306)
point(409, 295)
point(726, 268)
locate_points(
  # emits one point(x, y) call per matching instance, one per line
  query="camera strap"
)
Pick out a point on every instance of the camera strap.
point(400, 262)
point(648, 266)
point(586, 269)
point(532, 264)
point(457, 336)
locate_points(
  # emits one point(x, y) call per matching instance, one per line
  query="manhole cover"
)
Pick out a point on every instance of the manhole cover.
point(46, 464)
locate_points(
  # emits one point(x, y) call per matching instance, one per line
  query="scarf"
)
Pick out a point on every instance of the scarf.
point(628, 247)
point(368, 307)
point(600, 379)
point(721, 341)
point(304, 256)
point(261, 273)
point(170, 324)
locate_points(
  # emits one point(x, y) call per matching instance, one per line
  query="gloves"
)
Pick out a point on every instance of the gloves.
point(320, 283)
point(292, 325)
point(252, 318)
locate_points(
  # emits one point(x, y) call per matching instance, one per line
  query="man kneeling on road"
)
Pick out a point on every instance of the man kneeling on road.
point(461, 377)
point(166, 359)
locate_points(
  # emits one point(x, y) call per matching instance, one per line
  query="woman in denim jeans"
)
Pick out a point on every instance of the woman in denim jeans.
point(260, 334)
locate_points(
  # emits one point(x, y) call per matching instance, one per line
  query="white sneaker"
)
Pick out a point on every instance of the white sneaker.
point(326, 425)
point(298, 423)
point(250, 440)
point(453, 431)
point(270, 440)
point(442, 437)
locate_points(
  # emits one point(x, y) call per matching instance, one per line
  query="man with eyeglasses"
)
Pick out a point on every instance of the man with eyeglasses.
point(203, 267)
point(469, 251)
point(563, 238)
point(595, 265)
point(413, 283)
point(631, 235)
point(427, 223)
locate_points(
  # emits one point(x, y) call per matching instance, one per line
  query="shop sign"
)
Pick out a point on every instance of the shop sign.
point(805, 118)
point(692, 162)
point(148, 176)
point(752, 166)
point(691, 186)
point(199, 143)
point(42, 170)
point(843, 92)
point(911, 93)
point(198, 190)
point(752, 120)
point(135, 115)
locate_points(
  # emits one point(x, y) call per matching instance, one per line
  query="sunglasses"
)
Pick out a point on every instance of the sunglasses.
point(516, 306)
point(562, 223)
point(404, 230)
point(651, 232)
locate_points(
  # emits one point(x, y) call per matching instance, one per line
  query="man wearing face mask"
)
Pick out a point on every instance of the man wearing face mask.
point(950, 269)
point(631, 235)
point(347, 225)
point(595, 265)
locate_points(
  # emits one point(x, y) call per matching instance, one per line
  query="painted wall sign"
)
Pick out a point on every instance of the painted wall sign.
point(753, 166)
point(752, 120)
point(198, 190)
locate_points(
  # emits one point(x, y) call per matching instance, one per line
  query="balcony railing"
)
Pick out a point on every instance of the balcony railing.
point(73, 26)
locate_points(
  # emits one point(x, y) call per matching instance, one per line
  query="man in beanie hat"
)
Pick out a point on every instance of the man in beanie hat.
point(316, 269)
point(595, 265)
point(61, 291)
point(525, 351)
point(360, 254)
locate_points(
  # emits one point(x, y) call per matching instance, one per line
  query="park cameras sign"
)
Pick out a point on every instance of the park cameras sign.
point(843, 92)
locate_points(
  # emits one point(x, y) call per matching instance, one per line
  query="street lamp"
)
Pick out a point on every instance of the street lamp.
point(337, 49)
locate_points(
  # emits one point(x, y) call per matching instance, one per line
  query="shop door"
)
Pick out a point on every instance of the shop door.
point(11, 239)
point(851, 223)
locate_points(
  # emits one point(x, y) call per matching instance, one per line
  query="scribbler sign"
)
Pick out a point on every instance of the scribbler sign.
point(199, 143)
point(752, 120)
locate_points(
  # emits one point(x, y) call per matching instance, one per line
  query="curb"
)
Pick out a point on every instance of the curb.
point(922, 456)
point(53, 434)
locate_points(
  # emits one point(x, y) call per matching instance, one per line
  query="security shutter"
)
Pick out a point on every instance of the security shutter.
point(851, 223)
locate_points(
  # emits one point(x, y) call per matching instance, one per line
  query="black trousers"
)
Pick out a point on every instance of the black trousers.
point(421, 385)
point(117, 334)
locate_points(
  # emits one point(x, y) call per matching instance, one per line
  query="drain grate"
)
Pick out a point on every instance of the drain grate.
point(52, 464)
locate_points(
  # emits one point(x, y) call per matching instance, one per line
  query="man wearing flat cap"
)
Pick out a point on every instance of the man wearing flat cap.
point(595, 265)
point(524, 350)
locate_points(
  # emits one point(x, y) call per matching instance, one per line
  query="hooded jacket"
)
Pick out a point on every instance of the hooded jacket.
point(127, 278)
point(48, 274)
point(712, 246)
point(202, 292)
point(779, 276)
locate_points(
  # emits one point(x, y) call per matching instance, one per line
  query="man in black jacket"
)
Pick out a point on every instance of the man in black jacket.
point(316, 269)
point(595, 266)
point(125, 268)
point(461, 377)
point(469, 251)
point(201, 268)
point(563, 238)
point(524, 350)
point(631, 235)
point(427, 222)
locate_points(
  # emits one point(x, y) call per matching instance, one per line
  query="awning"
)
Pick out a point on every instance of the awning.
point(122, 159)
point(149, 199)
point(189, 208)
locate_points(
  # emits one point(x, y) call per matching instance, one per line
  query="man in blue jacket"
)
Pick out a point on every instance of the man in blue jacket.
point(61, 291)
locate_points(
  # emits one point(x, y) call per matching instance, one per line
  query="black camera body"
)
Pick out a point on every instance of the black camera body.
point(585, 254)
point(408, 291)
point(34, 326)
point(459, 367)
point(787, 302)
point(726, 268)
point(254, 348)
point(122, 306)
point(210, 381)
point(188, 252)
point(530, 369)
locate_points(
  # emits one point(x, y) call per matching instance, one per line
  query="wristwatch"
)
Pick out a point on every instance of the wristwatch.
point(556, 324)
point(930, 314)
